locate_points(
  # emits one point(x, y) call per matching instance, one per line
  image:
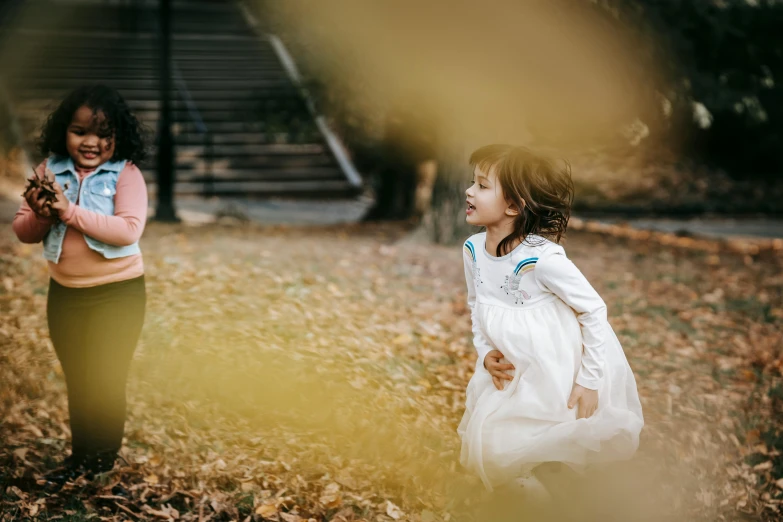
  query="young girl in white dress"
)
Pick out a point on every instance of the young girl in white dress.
point(552, 384)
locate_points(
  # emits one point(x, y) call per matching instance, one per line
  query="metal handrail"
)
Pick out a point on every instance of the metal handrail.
point(193, 111)
point(201, 128)
point(336, 146)
point(332, 141)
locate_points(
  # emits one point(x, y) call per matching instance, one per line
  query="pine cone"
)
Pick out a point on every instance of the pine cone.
point(47, 192)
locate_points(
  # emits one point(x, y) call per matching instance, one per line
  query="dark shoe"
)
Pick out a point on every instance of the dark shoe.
point(71, 469)
point(72, 462)
point(75, 466)
point(102, 462)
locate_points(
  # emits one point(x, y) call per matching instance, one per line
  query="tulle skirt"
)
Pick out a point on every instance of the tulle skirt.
point(506, 433)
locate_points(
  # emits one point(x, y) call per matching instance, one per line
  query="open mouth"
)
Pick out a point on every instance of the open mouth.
point(470, 208)
point(89, 155)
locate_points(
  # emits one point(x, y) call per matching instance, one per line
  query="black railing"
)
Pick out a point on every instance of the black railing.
point(195, 116)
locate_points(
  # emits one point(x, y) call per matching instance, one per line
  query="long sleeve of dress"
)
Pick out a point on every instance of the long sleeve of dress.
point(130, 213)
point(557, 274)
point(28, 226)
point(482, 344)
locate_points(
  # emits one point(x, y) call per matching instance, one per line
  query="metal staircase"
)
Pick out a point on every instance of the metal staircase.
point(242, 126)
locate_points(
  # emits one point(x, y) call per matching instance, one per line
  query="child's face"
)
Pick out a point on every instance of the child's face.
point(486, 205)
point(87, 143)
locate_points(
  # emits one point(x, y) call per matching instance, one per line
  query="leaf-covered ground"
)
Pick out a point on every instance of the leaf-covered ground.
point(319, 374)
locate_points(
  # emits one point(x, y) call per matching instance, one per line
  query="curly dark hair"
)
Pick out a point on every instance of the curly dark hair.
point(542, 191)
point(129, 134)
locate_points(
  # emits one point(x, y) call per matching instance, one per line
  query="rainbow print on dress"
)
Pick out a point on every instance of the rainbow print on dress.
point(513, 281)
point(470, 250)
point(525, 266)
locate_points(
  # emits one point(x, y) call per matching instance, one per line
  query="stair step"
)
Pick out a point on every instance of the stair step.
point(225, 128)
point(33, 106)
point(142, 26)
point(245, 139)
point(116, 18)
point(247, 113)
point(258, 156)
point(128, 84)
point(103, 43)
point(71, 37)
point(256, 166)
point(204, 82)
point(273, 152)
point(206, 67)
point(181, 119)
point(55, 50)
point(257, 161)
point(100, 44)
point(271, 188)
point(147, 72)
point(152, 94)
point(199, 173)
point(141, 30)
point(97, 9)
point(222, 132)
point(37, 57)
point(266, 149)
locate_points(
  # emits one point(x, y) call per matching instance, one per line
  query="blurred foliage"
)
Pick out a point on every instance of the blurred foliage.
point(705, 80)
point(718, 92)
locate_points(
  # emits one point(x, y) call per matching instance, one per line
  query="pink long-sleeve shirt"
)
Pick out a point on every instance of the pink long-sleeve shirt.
point(79, 265)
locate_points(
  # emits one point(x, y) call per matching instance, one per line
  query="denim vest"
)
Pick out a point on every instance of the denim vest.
point(95, 193)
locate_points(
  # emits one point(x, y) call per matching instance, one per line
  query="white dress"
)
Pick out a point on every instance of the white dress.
point(537, 308)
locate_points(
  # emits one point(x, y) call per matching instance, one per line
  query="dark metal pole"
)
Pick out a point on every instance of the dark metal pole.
point(165, 173)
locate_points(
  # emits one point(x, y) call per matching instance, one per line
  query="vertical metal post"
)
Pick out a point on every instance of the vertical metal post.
point(209, 155)
point(165, 210)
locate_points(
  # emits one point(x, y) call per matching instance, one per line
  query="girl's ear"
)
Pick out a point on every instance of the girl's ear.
point(513, 209)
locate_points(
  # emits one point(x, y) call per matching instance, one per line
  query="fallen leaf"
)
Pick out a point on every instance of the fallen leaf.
point(764, 466)
point(18, 492)
point(402, 340)
point(331, 497)
point(393, 511)
point(20, 453)
point(266, 510)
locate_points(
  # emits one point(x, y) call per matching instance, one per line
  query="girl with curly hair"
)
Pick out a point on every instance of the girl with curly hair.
point(552, 389)
point(90, 234)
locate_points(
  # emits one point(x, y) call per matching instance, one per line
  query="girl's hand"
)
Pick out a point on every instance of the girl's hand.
point(61, 204)
point(37, 203)
point(587, 399)
point(497, 369)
